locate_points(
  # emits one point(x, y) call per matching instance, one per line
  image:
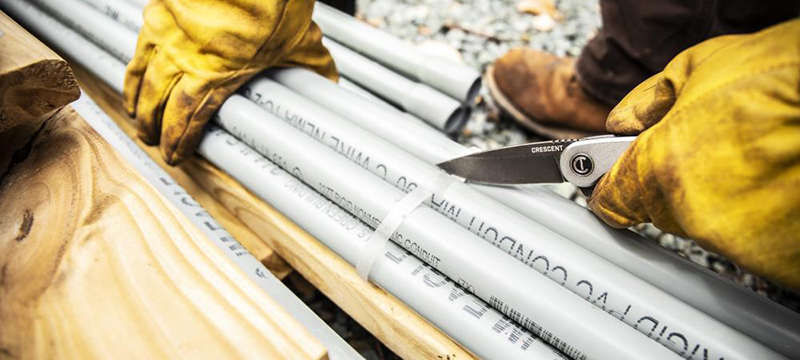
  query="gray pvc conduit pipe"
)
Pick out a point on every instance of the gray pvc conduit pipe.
point(550, 311)
point(461, 315)
point(740, 308)
point(122, 11)
point(430, 105)
point(621, 294)
point(138, 3)
point(470, 321)
point(459, 81)
point(353, 87)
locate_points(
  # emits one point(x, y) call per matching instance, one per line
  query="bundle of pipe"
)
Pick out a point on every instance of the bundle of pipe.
point(459, 81)
point(435, 108)
point(360, 51)
point(740, 308)
point(470, 321)
point(671, 335)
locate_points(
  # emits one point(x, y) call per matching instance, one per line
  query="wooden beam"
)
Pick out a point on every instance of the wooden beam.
point(34, 81)
point(95, 263)
point(391, 321)
point(110, 102)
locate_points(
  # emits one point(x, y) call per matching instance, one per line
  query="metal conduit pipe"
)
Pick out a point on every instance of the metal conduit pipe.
point(459, 81)
point(112, 72)
point(616, 291)
point(754, 315)
point(550, 311)
point(438, 299)
point(435, 108)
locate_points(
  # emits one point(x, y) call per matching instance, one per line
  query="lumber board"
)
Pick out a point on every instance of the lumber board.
point(109, 101)
point(95, 263)
point(383, 315)
point(34, 81)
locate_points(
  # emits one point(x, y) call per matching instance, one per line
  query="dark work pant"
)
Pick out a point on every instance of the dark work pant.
point(639, 37)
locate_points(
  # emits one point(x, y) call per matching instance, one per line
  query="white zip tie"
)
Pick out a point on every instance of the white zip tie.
point(377, 240)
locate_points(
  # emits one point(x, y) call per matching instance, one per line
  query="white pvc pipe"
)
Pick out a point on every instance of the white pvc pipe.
point(354, 88)
point(660, 316)
point(467, 319)
point(116, 39)
point(459, 81)
point(121, 11)
point(550, 311)
point(428, 104)
point(728, 302)
point(138, 3)
point(470, 321)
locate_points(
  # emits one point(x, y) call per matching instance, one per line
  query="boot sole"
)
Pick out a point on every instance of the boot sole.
point(507, 107)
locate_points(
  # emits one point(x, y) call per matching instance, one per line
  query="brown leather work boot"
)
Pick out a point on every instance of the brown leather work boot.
point(541, 92)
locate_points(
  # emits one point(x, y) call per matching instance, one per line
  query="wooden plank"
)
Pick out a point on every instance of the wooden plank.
point(95, 263)
point(391, 321)
point(110, 102)
point(34, 81)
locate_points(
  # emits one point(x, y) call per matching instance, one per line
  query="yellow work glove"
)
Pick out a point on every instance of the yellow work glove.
point(718, 159)
point(192, 54)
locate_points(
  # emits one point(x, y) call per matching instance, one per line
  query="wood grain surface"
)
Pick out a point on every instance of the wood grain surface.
point(95, 263)
point(110, 102)
point(34, 81)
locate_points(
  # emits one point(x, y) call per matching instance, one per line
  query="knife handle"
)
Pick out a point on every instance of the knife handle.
point(583, 163)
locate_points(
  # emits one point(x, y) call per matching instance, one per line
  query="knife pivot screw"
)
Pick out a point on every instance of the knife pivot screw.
point(581, 164)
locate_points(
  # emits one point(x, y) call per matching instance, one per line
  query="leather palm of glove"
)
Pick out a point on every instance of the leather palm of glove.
point(191, 55)
point(718, 159)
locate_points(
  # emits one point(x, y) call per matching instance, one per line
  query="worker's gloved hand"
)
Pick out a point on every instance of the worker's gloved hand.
point(192, 54)
point(718, 157)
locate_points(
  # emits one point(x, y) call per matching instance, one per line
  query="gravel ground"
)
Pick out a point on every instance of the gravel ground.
point(476, 33)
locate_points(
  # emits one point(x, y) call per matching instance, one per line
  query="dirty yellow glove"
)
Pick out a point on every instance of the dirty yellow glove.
point(192, 54)
point(718, 159)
